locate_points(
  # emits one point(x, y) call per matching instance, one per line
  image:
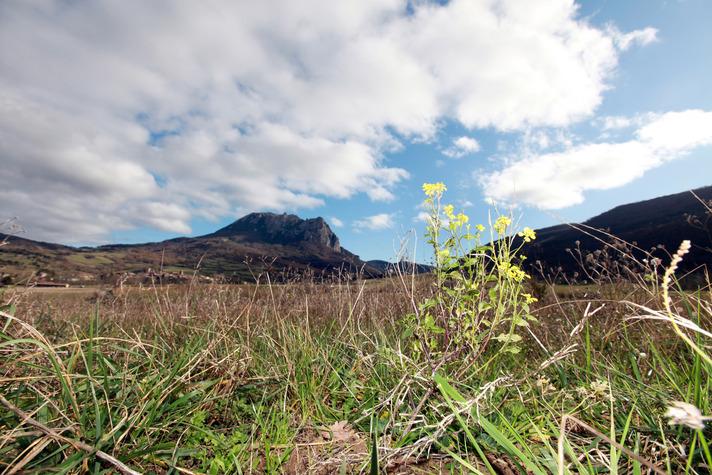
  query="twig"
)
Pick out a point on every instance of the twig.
point(25, 418)
point(415, 414)
point(628, 452)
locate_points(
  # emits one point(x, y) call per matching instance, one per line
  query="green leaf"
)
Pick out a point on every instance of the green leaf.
point(10, 309)
point(509, 447)
point(508, 338)
point(374, 451)
point(451, 394)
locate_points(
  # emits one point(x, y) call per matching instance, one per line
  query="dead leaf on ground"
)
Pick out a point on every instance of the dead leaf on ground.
point(340, 432)
point(504, 466)
point(327, 450)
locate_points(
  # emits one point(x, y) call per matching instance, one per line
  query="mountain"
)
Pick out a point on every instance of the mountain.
point(284, 244)
point(404, 267)
point(285, 229)
point(658, 226)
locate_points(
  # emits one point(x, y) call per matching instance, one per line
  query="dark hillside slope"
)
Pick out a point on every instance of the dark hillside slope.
point(659, 224)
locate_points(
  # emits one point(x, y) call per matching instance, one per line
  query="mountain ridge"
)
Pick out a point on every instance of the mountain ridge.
point(657, 226)
point(254, 243)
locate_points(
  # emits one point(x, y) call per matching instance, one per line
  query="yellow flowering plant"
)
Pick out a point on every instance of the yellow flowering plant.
point(478, 294)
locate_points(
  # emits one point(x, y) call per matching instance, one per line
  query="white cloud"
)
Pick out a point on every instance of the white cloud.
point(678, 131)
point(117, 114)
point(462, 146)
point(612, 122)
point(557, 180)
point(638, 37)
point(620, 122)
point(336, 222)
point(540, 140)
point(376, 222)
point(422, 216)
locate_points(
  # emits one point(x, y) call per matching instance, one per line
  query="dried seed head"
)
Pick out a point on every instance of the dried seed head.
point(667, 278)
point(682, 413)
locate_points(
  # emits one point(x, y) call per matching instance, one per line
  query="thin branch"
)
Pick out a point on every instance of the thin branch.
point(580, 423)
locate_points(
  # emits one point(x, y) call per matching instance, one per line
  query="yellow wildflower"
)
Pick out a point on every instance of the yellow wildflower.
point(528, 234)
point(529, 299)
point(479, 228)
point(449, 211)
point(501, 224)
point(513, 271)
point(434, 189)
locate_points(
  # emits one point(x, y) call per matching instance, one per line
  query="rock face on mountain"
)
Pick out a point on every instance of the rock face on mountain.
point(657, 226)
point(285, 229)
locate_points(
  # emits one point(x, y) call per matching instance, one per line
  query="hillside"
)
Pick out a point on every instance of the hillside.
point(402, 267)
point(284, 244)
point(657, 225)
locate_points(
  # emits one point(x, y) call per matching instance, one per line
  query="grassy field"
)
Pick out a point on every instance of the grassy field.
point(475, 368)
point(307, 378)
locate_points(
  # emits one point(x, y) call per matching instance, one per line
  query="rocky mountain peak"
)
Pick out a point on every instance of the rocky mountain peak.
point(286, 229)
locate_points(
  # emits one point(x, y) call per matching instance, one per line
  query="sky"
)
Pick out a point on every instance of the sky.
point(133, 121)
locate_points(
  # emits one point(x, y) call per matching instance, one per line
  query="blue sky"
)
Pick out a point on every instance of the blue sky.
point(129, 122)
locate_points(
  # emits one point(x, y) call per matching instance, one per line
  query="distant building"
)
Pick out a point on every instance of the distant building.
point(49, 284)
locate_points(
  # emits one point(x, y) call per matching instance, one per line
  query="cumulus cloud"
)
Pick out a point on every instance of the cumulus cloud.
point(462, 146)
point(117, 114)
point(560, 179)
point(336, 222)
point(376, 222)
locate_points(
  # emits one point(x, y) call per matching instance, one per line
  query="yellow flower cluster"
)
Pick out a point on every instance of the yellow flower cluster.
point(434, 189)
point(529, 299)
point(458, 219)
point(501, 224)
point(528, 234)
point(513, 271)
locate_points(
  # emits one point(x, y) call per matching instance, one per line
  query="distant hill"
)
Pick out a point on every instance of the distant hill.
point(282, 243)
point(658, 225)
point(390, 268)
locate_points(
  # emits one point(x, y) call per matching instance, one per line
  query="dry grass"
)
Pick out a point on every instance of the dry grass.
point(246, 379)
